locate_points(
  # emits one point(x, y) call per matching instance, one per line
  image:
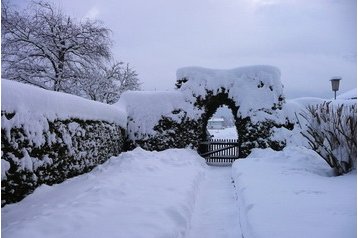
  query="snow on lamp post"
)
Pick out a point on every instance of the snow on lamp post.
point(335, 85)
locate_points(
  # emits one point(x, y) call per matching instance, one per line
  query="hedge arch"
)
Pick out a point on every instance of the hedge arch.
point(253, 94)
point(250, 135)
point(212, 104)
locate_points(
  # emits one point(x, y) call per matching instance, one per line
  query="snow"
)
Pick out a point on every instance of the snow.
point(226, 133)
point(173, 193)
point(28, 100)
point(216, 120)
point(31, 109)
point(137, 194)
point(146, 108)
point(215, 214)
point(5, 166)
point(256, 89)
point(253, 88)
point(292, 193)
point(351, 94)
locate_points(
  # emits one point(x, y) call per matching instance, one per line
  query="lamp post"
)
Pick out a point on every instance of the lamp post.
point(335, 85)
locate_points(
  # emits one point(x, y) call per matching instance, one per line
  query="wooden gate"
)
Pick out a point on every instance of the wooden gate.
point(219, 151)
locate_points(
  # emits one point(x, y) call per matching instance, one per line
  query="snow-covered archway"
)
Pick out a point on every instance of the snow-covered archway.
point(161, 120)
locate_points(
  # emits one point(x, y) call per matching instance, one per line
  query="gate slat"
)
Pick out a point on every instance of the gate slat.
point(220, 150)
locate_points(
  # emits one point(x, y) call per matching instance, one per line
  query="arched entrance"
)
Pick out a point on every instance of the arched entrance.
point(253, 94)
point(223, 150)
point(179, 119)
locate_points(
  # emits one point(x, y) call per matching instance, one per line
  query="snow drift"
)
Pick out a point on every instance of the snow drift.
point(137, 194)
point(292, 193)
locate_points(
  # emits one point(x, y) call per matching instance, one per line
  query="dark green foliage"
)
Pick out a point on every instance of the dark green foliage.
point(71, 147)
point(180, 82)
point(172, 134)
point(189, 132)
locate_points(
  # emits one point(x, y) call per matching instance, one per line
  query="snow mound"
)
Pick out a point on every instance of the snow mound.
point(292, 193)
point(351, 94)
point(137, 194)
point(252, 88)
point(26, 99)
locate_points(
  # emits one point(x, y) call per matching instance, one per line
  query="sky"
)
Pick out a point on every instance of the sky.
point(310, 41)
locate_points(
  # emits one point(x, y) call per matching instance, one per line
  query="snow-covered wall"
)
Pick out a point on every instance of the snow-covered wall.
point(49, 136)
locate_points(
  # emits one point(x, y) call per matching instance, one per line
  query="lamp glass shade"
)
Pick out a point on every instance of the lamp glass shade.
point(335, 84)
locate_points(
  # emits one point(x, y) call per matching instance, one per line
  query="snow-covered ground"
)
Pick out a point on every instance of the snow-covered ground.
point(137, 194)
point(216, 209)
point(226, 133)
point(174, 194)
point(292, 193)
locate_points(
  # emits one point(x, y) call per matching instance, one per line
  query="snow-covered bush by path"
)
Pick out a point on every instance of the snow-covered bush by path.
point(48, 136)
point(137, 194)
point(332, 133)
point(160, 120)
point(293, 193)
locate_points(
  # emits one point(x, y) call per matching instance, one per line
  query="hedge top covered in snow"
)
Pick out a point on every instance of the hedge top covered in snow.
point(22, 98)
point(146, 108)
point(252, 88)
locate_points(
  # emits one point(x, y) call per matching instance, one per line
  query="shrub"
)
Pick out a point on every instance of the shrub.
point(332, 133)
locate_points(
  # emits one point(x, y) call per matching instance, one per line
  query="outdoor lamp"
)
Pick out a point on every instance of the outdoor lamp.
point(335, 85)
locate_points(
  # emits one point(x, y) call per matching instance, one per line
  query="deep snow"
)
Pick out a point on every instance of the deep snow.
point(28, 100)
point(137, 194)
point(293, 193)
point(173, 193)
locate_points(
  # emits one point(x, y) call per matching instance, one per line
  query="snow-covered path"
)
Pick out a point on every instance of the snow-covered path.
point(216, 212)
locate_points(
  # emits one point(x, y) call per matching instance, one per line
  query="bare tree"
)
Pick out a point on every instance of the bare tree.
point(44, 47)
point(106, 84)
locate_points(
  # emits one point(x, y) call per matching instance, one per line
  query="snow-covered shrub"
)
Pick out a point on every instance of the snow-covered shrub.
point(47, 137)
point(332, 133)
point(254, 94)
point(68, 148)
point(162, 120)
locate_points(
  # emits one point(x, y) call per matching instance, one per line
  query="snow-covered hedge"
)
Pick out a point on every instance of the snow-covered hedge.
point(48, 136)
point(161, 120)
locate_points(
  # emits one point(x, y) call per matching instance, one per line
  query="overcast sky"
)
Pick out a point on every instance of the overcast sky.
point(308, 40)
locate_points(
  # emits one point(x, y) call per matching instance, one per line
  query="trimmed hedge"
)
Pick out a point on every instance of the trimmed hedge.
point(69, 148)
point(188, 132)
